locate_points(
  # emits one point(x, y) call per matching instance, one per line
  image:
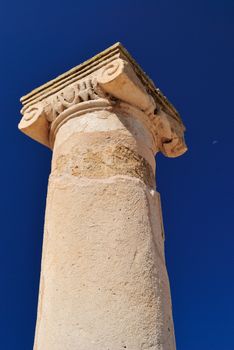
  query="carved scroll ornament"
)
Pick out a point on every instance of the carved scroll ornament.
point(116, 81)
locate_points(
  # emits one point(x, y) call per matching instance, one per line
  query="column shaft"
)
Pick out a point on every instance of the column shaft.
point(104, 283)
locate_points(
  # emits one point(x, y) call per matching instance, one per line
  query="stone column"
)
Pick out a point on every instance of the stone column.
point(104, 283)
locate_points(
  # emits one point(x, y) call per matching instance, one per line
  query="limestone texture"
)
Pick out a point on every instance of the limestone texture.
point(104, 284)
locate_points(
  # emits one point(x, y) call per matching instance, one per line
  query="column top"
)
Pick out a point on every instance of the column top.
point(110, 75)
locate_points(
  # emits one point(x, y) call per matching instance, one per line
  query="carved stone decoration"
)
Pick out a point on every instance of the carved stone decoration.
point(71, 95)
point(51, 107)
point(104, 283)
point(114, 81)
point(170, 136)
point(119, 80)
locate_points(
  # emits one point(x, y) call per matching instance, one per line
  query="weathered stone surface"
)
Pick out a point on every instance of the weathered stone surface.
point(104, 283)
point(103, 82)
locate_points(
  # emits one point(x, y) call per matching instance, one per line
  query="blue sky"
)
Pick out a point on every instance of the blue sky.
point(187, 48)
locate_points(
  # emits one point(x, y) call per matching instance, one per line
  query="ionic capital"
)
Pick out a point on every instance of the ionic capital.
point(104, 82)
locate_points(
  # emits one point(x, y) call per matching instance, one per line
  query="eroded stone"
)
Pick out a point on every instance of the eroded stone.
point(104, 283)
